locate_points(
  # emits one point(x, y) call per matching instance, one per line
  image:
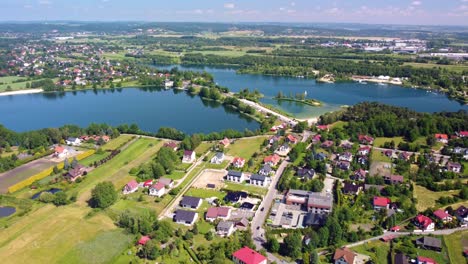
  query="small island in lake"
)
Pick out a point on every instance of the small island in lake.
point(300, 98)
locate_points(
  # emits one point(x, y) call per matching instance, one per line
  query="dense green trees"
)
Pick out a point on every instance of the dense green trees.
point(103, 195)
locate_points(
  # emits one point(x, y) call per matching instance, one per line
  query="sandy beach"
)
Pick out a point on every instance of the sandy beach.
point(29, 91)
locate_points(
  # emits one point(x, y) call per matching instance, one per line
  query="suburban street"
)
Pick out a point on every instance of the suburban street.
point(260, 215)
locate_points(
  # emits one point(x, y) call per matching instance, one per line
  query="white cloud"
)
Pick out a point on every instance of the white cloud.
point(416, 3)
point(294, 3)
point(282, 8)
point(229, 5)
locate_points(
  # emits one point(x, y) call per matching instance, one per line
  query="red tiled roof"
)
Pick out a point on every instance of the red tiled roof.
point(238, 160)
point(292, 138)
point(274, 159)
point(426, 260)
point(464, 133)
point(344, 253)
point(381, 201)
point(322, 127)
point(441, 136)
point(215, 212)
point(59, 149)
point(395, 228)
point(148, 183)
point(423, 221)
point(441, 214)
point(158, 186)
point(225, 142)
point(132, 184)
point(143, 240)
point(248, 256)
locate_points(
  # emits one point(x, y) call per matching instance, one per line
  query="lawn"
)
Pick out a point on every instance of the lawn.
point(245, 187)
point(439, 257)
point(377, 155)
point(205, 193)
point(427, 198)
point(339, 124)
point(377, 250)
point(175, 175)
point(378, 142)
point(117, 142)
point(454, 244)
point(203, 148)
point(221, 166)
point(89, 161)
point(245, 147)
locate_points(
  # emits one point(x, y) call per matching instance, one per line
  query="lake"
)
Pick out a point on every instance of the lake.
point(333, 95)
point(149, 108)
point(155, 108)
point(7, 211)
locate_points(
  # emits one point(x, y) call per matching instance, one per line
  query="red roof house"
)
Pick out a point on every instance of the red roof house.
point(225, 142)
point(272, 160)
point(322, 127)
point(130, 187)
point(425, 260)
point(423, 222)
point(381, 202)
point(238, 162)
point(463, 134)
point(395, 229)
point(143, 240)
point(247, 255)
point(365, 139)
point(148, 183)
point(441, 138)
point(442, 215)
point(218, 212)
point(292, 139)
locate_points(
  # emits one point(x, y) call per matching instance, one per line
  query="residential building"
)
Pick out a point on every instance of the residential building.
point(225, 142)
point(218, 158)
point(443, 216)
point(60, 152)
point(311, 219)
point(404, 155)
point(344, 256)
point(247, 255)
point(314, 202)
point(130, 187)
point(190, 202)
point(266, 170)
point(157, 189)
point(359, 175)
point(306, 173)
point(225, 228)
point(169, 183)
point(400, 258)
point(172, 145)
point(274, 139)
point(365, 139)
point(344, 165)
point(424, 223)
point(242, 224)
point(234, 197)
point(425, 260)
point(327, 144)
point(185, 217)
point(462, 134)
point(238, 162)
point(214, 213)
point(284, 148)
point(272, 160)
point(76, 172)
point(443, 138)
point(143, 240)
point(347, 156)
point(431, 243)
point(351, 188)
point(235, 176)
point(381, 202)
point(147, 183)
point(73, 141)
point(393, 179)
point(258, 180)
point(462, 215)
point(454, 167)
point(189, 156)
point(365, 150)
point(291, 139)
point(247, 206)
point(323, 127)
point(320, 156)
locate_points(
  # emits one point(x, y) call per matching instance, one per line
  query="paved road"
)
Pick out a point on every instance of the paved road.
point(260, 216)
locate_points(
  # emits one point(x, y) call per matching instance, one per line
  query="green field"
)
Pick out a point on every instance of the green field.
point(203, 148)
point(95, 157)
point(175, 175)
point(245, 147)
point(245, 187)
point(377, 155)
point(117, 142)
point(381, 140)
point(455, 244)
point(457, 68)
point(205, 193)
point(377, 250)
point(427, 198)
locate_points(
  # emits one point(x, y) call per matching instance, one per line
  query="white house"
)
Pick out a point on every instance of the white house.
point(130, 187)
point(189, 156)
point(157, 189)
point(258, 180)
point(61, 152)
point(225, 228)
point(218, 158)
point(73, 141)
point(235, 176)
point(168, 83)
point(238, 162)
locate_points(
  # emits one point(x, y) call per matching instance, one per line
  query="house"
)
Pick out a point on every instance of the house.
point(424, 223)
point(169, 183)
point(130, 187)
point(347, 145)
point(157, 189)
point(143, 240)
point(190, 202)
point(352, 188)
point(168, 83)
point(214, 213)
point(365, 139)
point(462, 215)
point(311, 219)
point(291, 139)
point(189, 156)
point(347, 156)
point(443, 216)
point(306, 173)
point(364, 150)
point(381, 202)
point(430, 243)
point(344, 165)
point(225, 142)
point(225, 228)
point(60, 152)
point(73, 141)
point(234, 197)
point(316, 139)
point(266, 170)
point(388, 153)
point(442, 138)
point(454, 167)
point(76, 172)
point(235, 176)
point(147, 183)
point(258, 180)
point(238, 162)
point(247, 255)
point(425, 260)
point(272, 160)
point(359, 175)
point(274, 139)
point(400, 258)
point(247, 206)
point(327, 144)
point(218, 158)
point(363, 160)
point(283, 148)
point(462, 134)
point(395, 229)
point(242, 224)
point(311, 201)
point(185, 217)
point(320, 156)
point(393, 179)
point(404, 155)
point(323, 127)
point(172, 145)
point(344, 256)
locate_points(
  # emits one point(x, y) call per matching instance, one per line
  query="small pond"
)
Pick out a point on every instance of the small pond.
point(52, 191)
point(6, 211)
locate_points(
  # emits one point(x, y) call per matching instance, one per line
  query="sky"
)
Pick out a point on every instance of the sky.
point(419, 12)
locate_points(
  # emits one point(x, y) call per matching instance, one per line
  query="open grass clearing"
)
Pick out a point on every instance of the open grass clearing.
point(455, 246)
point(117, 142)
point(377, 155)
point(377, 250)
point(89, 161)
point(457, 68)
point(339, 124)
point(427, 198)
point(245, 187)
point(378, 142)
point(204, 147)
point(175, 175)
point(205, 193)
point(245, 147)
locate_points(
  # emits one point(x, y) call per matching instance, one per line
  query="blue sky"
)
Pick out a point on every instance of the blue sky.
point(433, 12)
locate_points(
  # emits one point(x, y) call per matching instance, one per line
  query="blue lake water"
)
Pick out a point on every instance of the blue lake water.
point(52, 191)
point(7, 211)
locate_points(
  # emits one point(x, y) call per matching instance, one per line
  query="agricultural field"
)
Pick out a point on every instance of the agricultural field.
point(204, 147)
point(427, 198)
point(245, 147)
point(457, 68)
point(456, 243)
point(381, 140)
point(117, 142)
point(377, 250)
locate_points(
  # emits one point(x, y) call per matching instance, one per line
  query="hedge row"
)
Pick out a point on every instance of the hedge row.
point(20, 185)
